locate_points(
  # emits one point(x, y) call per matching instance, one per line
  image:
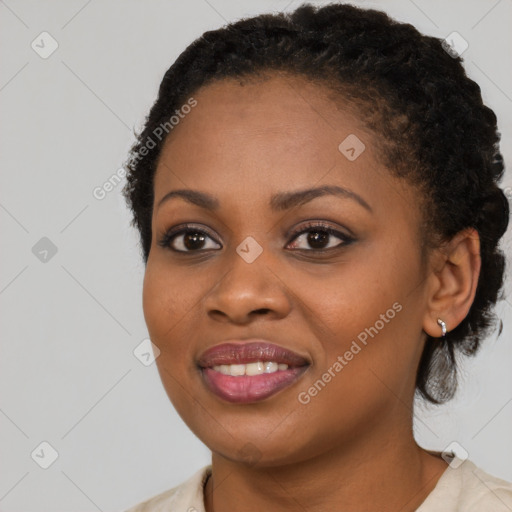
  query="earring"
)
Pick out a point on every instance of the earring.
point(443, 326)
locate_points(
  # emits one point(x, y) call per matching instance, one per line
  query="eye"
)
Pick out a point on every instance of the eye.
point(188, 239)
point(319, 236)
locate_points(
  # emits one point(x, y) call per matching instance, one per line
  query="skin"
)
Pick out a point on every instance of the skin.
point(351, 447)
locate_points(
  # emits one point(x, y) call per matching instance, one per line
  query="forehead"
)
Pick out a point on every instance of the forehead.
point(248, 138)
point(260, 126)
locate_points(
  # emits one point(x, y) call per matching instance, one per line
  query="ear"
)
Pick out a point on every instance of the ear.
point(453, 282)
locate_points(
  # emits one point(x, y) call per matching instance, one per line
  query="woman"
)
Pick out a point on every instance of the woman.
point(318, 204)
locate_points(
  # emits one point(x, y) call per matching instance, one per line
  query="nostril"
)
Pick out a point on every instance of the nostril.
point(262, 310)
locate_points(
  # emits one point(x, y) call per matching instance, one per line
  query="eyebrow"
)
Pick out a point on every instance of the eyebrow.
point(278, 202)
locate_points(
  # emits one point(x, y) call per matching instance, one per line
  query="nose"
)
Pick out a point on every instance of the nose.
point(247, 291)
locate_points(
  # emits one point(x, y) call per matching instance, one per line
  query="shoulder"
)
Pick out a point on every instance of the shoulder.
point(491, 494)
point(464, 486)
point(188, 496)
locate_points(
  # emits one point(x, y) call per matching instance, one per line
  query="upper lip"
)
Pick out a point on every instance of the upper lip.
point(249, 351)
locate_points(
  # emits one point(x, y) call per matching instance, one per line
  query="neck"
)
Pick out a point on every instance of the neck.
point(388, 474)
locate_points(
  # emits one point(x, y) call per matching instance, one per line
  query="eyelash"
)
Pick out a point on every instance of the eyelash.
point(169, 236)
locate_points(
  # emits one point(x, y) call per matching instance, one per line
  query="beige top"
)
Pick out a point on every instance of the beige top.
point(463, 487)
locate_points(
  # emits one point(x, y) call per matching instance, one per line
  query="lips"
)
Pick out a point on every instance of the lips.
point(282, 368)
point(249, 352)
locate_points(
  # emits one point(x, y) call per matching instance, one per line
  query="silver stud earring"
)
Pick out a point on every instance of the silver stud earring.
point(443, 326)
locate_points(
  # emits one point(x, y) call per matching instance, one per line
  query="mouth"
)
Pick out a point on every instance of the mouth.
point(246, 372)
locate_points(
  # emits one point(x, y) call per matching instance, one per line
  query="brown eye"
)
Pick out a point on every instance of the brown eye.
point(188, 240)
point(319, 237)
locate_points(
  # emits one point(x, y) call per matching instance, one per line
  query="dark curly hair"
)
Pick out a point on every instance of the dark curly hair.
point(431, 124)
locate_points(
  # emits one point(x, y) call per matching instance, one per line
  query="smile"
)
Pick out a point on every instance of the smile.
point(257, 368)
point(250, 372)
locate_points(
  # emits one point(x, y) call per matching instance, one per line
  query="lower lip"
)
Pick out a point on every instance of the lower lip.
point(250, 388)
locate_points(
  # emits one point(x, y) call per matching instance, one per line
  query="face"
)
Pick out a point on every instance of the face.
point(333, 276)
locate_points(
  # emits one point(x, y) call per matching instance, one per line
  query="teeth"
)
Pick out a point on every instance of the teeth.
point(223, 368)
point(256, 368)
point(271, 367)
point(237, 369)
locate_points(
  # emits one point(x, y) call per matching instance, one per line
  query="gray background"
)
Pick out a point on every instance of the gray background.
point(70, 323)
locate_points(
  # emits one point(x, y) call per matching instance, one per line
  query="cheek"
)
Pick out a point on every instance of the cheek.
point(168, 297)
point(169, 304)
point(365, 312)
point(350, 296)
